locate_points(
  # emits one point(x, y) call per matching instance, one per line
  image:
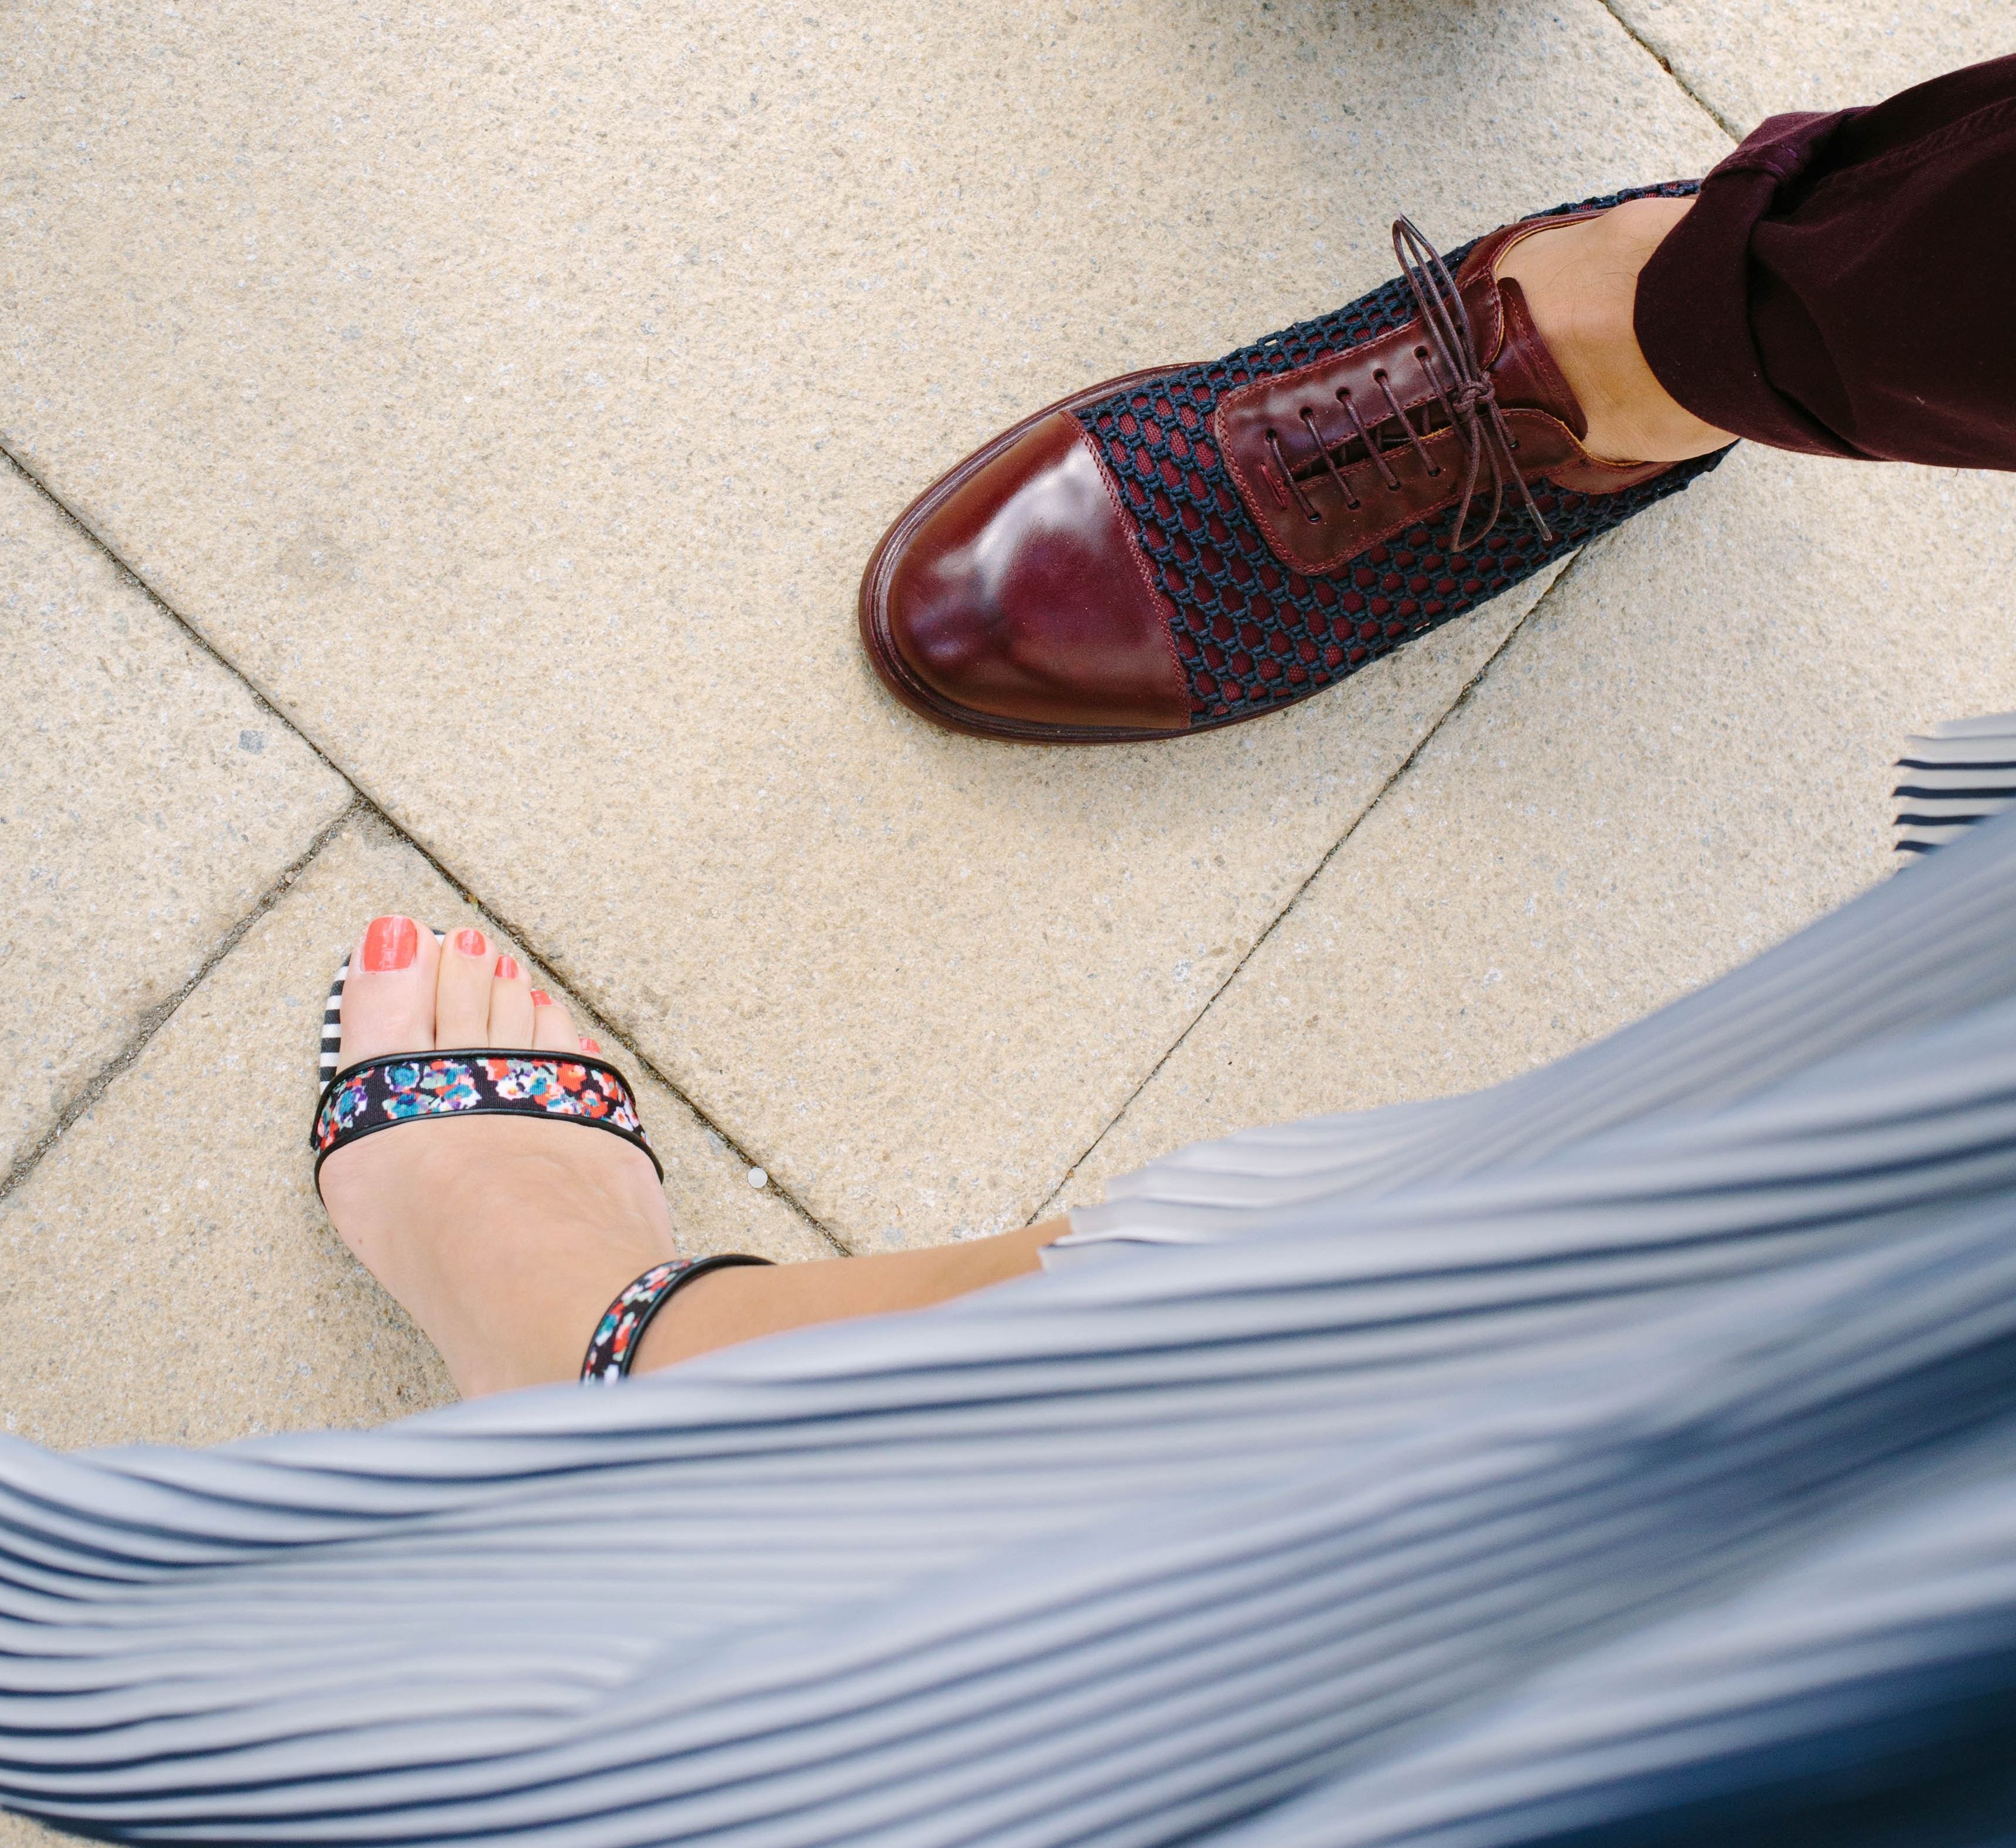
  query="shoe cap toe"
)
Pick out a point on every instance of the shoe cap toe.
point(1020, 595)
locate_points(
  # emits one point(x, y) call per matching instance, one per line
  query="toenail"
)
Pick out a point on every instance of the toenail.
point(471, 942)
point(390, 944)
point(590, 1046)
point(507, 969)
point(541, 999)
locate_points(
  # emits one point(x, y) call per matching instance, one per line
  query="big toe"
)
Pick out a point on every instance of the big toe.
point(388, 996)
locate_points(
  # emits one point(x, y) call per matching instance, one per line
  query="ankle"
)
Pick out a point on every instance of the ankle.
point(726, 1307)
point(1581, 282)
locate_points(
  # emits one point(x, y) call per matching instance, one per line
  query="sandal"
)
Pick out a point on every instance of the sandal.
point(359, 1100)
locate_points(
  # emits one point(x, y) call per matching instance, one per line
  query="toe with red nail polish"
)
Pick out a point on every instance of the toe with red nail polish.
point(389, 945)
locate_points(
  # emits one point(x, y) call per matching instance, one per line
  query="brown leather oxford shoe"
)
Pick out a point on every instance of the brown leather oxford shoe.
point(1184, 549)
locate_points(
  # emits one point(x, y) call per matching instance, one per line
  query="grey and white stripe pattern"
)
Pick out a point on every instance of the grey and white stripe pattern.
point(1957, 775)
point(1627, 1454)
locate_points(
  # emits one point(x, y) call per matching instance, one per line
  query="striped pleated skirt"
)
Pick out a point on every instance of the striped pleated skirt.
point(1626, 1454)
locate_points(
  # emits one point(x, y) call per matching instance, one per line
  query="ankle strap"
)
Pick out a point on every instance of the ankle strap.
point(612, 1351)
point(382, 1093)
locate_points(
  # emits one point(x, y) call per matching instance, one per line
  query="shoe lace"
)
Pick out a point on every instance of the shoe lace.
point(1471, 400)
point(1461, 387)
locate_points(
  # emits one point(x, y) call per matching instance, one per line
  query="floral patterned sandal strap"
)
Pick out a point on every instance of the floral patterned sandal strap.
point(613, 1349)
point(379, 1093)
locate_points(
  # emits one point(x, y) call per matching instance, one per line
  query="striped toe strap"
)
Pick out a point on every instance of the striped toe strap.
point(404, 1087)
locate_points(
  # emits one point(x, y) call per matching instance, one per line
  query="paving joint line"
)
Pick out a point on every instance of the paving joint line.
point(1666, 64)
point(1462, 699)
point(601, 1028)
point(190, 631)
point(362, 805)
point(159, 1016)
point(1316, 872)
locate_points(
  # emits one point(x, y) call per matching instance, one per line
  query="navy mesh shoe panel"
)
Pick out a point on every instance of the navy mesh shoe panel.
point(1251, 633)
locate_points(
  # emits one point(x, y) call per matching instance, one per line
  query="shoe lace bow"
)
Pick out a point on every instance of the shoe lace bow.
point(1470, 400)
point(1463, 388)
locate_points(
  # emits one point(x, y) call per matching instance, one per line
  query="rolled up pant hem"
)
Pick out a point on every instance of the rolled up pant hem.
point(1841, 285)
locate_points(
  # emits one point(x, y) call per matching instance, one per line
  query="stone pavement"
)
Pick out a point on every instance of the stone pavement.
point(444, 445)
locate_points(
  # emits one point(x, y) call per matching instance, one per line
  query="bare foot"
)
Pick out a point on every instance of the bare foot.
point(1581, 281)
point(505, 1238)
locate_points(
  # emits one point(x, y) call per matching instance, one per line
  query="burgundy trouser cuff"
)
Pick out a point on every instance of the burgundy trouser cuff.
point(1842, 284)
point(1693, 314)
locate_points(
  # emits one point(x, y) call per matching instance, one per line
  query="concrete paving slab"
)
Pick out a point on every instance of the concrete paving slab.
point(1684, 755)
point(146, 803)
point(1747, 60)
point(167, 1274)
point(518, 398)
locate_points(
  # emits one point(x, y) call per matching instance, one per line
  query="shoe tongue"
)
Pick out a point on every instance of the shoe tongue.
point(1524, 372)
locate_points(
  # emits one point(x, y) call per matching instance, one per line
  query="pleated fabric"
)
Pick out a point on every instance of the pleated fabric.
point(1956, 776)
point(1624, 1454)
